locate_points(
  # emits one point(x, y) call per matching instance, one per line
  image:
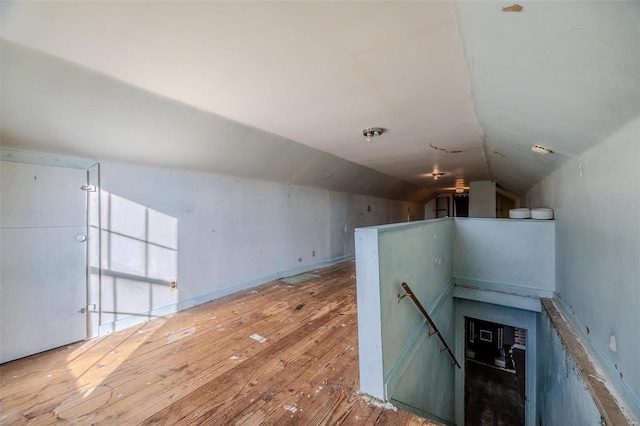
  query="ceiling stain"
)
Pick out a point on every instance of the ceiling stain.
point(455, 151)
point(498, 153)
point(513, 8)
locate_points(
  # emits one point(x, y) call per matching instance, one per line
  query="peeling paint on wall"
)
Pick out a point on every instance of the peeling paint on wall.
point(513, 8)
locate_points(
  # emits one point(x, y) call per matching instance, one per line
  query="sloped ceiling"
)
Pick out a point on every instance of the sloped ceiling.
point(565, 75)
point(282, 90)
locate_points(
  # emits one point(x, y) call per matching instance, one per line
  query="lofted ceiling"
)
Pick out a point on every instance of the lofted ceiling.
point(462, 88)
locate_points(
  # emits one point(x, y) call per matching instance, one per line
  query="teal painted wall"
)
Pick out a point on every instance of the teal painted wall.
point(424, 382)
point(563, 396)
point(596, 198)
point(398, 359)
point(498, 254)
point(392, 334)
point(421, 256)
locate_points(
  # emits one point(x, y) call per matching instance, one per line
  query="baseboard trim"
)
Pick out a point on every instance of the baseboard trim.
point(225, 291)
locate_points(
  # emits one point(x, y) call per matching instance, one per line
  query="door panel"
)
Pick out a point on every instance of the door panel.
point(40, 295)
point(43, 265)
point(42, 196)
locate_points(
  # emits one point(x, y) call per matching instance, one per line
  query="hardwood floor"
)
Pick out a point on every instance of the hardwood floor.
point(201, 366)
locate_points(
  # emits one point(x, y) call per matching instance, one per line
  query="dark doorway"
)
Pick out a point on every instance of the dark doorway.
point(462, 205)
point(494, 382)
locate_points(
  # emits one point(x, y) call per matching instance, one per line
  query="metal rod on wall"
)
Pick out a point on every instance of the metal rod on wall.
point(430, 321)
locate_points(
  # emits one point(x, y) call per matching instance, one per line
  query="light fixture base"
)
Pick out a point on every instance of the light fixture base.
point(539, 149)
point(372, 132)
point(437, 175)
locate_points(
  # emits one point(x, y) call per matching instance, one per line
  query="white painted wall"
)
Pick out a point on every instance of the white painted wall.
point(430, 209)
point(232, 233)
point(596, 198)
point(349, 211)
point(482, 199)
point(138, 261)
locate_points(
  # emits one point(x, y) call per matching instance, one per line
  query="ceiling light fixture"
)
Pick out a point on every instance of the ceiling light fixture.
point(437, 176)
point(539, 149)
point(372, 132)
point(459, 190)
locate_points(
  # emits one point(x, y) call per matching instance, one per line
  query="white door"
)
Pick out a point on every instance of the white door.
point(42, 258)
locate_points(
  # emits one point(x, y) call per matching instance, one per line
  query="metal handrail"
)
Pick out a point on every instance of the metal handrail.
point(432, 325)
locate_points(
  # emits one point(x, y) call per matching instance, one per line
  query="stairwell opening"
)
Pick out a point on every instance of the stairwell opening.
point(495, 373)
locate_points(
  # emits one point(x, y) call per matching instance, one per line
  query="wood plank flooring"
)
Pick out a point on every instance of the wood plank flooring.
point(201, 366)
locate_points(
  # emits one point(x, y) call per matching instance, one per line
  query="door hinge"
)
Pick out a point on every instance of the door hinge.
point(90, 308)
point(88, 188)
